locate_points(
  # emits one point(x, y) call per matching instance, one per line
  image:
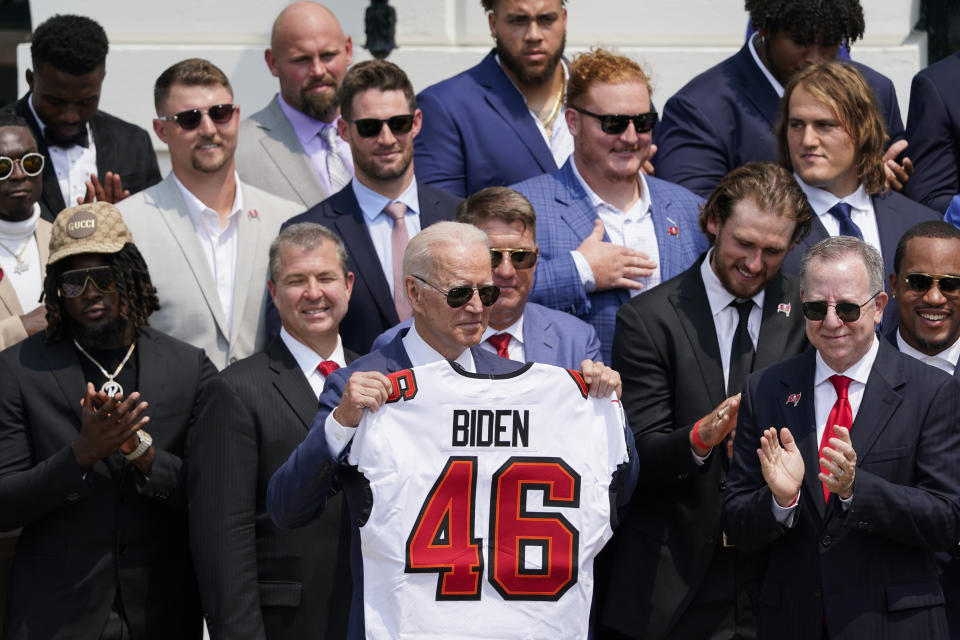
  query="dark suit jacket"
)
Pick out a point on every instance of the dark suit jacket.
point(933, 129)
point(371, 310)
point(299, 490)
point(122, 148)
point(258, 581)
point(666, 351)
point(478, 132)
point(895, 214)
point(724, 118)
point(868, 571)
point(86, 536)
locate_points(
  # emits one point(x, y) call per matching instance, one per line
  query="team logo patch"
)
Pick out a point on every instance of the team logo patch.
point(793, 398)
point(81, 225)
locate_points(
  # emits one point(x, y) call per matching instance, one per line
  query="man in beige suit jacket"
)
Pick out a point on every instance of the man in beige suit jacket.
point(203, 233)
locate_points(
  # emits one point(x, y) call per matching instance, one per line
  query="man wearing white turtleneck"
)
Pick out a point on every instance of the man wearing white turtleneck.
point(24, 237)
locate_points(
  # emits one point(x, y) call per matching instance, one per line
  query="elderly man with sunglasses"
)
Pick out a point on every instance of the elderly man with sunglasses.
point(606, 230)
point(203, 232)
point(846, 468)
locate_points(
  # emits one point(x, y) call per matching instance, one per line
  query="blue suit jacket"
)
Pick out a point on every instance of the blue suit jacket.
point(565, 218)
point(895, 214)
point(371, 309)
point(477, 132)
point(724, 118)
point(933, 129)
point(550, 337)
point(868, 571)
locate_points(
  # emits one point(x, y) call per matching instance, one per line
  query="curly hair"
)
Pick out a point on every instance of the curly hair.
point(599, 66)
point(138, 296)
point(72, 44)
point(809, 21)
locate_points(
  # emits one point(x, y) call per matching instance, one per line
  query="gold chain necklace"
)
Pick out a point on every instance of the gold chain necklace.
point(555, 111)
point(22, 265)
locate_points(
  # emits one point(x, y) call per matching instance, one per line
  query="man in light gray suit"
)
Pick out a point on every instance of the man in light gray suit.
point(291, 147)
point(203, 233)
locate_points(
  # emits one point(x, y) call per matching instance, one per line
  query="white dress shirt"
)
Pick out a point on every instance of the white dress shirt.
point(17, 237)
point(73, 165)
point(380, 225)
point(861, 211)
point(763, 68)
point(514, 347)
point(308, 359)
point(946, 360)
point(308, 131)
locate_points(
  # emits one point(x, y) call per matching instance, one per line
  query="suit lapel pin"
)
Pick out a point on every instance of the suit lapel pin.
point(253, 214)
point(673, 230)
point(784, 308)
point(793, 398)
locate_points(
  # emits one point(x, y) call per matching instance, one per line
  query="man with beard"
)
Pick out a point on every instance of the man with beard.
point(501, 121)
point(204, 233)
point(91, 154)
point(290, 147)
point(383, 206)
point(683, 350)
point(94, 418)
point(606, 230)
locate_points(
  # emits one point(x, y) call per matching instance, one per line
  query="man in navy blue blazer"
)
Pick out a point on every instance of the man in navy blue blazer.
point(725, 116)
point(606, 231)
point(933, 129)
point(855, 485)
point(831, 136)
point(501, 121)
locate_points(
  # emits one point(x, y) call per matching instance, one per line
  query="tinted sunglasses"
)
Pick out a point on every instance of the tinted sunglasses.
point(31, 163)
point(191, 118)
point(617, 124)
point(371, 127)
point(921, 282)
point(846, 311)
point(521, 258)
point(74, 283)
point(459, 296)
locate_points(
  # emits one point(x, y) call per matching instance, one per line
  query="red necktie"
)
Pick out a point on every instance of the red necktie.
point(841, 415)
point(327, 367)
point(500, 341)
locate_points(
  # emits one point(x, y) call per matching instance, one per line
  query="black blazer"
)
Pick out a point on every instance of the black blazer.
point(86, 536)
point(257, 580)
point(371, 310)
point(665, 348)
point(122, 148)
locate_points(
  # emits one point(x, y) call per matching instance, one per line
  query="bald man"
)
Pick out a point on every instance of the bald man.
point(291, 147)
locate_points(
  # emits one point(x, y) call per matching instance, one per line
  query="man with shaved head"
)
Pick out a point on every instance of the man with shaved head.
point(291, 147)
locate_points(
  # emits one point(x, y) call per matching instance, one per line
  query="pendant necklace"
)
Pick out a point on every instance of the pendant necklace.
point(21, 264)
point(111, 387)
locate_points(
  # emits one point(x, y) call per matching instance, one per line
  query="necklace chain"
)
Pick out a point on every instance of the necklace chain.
point(554, 111)
point(111, 387)
point(21, 264)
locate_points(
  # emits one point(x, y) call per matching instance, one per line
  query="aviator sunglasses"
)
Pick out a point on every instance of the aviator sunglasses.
point(371, 127)
point(459, 296)
point(191, 118)
point(617, 124)
point(31, 163)
point(74, 283)
point(521, 258)
point(921, 282)
point(846, 311)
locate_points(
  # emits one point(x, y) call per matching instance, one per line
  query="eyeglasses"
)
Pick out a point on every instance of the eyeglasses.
point(921, 282)
point(31, 163)
point(191, 118)
point(846, 311)
point(617, 124)
point(520, 258)
point(74, 283)
point(371, 127)
point(459, 296)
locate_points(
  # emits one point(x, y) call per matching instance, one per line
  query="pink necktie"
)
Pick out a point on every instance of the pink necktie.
point(327, 367)
point(841, 415)
point(398, 244)
point(500, 341)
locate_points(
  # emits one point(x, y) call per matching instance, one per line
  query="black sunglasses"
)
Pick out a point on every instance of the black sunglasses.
point(31, 163)
point(74, 283)
point(921, 282)
point(371, 127)
point(521, 258)
point(459, 296)
point(846, 311)
point(617, 124)
point(191, 118)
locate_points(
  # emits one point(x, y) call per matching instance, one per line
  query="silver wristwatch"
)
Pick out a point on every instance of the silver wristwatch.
point(145, 441)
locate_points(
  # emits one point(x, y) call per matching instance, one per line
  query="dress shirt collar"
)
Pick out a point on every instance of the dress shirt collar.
point(308, 359)
point(718, 297)
point(372, 203)
point(421, 353)
point(859, 371)
point(821, 200)
point(203, 216)
point(642, 205)
point(946, 360)
point(22, 228)
point(766, 72)
point(515, 330)
point(304, 126)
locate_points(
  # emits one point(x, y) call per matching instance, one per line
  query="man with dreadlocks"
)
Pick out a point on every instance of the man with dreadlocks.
point(94, 415)
point(724, 117)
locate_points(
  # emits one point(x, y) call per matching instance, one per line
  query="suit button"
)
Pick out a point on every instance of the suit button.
point(73, 497)
point(863, 524)
point(723, 485)
point(826, 540)
point(682, 476)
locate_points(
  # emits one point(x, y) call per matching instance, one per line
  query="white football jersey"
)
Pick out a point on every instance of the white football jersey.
point(491, 498)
